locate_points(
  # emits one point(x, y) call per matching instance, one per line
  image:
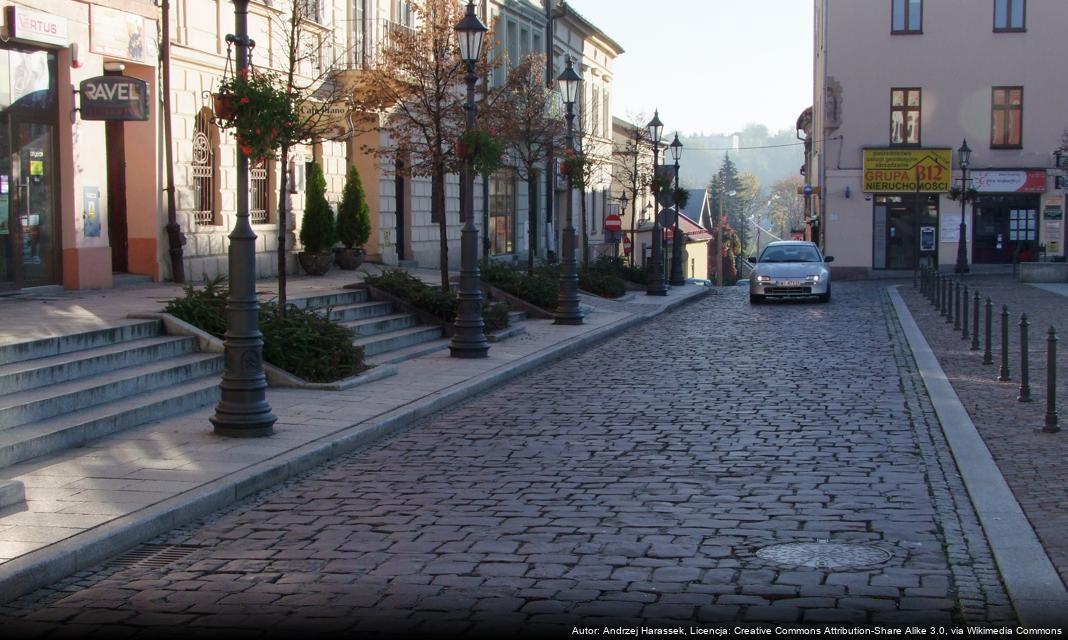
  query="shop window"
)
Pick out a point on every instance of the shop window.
point(259, 183)
point(907, 16)
point(1006, 118)
point(502, 204)
point(905, 110)
point(205, 170)
point(1023, 225)
point(1010, 15)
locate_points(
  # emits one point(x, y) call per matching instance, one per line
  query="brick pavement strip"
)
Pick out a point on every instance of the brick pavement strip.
point(633, 483)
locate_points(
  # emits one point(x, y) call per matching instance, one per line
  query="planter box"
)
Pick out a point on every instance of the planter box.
point(1042, 272)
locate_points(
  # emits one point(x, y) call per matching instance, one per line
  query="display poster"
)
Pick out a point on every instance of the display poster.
point(950, 229)
point(91, 212)
point(5, 214)
point(907, 170)
point(927, 238)
point(1053, 212)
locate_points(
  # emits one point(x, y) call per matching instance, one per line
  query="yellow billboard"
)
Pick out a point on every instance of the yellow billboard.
point(908, 170)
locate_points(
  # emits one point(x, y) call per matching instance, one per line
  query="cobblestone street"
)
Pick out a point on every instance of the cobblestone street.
point(633, 482)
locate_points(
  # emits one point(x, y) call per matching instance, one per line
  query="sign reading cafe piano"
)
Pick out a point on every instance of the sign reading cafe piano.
point(907, 170)
point(114, 98)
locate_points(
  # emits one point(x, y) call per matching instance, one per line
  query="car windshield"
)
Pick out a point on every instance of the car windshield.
point(795, 253)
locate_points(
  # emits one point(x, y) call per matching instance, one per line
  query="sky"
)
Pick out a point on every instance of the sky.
point(711, 66)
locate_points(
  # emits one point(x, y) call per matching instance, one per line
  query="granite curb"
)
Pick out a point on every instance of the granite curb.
point(1033, 584)
point(37, 569)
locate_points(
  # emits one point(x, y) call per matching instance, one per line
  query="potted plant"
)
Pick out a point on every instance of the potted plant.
point(353, 223)
point(574, 167)
point(484, 150)
point(317, 230)
point(259, 110)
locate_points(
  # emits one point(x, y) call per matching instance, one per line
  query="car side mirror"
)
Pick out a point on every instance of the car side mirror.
point(828, 258)
point(751, 259)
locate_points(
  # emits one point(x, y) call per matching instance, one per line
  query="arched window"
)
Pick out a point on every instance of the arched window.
point(205, 170)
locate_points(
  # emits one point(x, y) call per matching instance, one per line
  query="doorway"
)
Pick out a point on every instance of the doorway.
point(28, 229)
point(904, 232)
point(1006, 228)
point(118, 235)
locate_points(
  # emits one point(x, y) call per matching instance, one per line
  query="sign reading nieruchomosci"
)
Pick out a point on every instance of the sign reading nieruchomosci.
point(907, 170)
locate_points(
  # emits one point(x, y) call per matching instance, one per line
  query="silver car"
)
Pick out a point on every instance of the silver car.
point(790, 269)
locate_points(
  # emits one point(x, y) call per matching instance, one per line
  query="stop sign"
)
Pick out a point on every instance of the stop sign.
point(613, 223)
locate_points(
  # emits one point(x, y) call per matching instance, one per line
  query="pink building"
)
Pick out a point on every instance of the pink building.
point(899, 86)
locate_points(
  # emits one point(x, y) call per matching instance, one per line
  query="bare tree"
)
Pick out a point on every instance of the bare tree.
point(594, 168)
point(786, 207)
point(421, 76)
point(632, 164)
point(531, 128)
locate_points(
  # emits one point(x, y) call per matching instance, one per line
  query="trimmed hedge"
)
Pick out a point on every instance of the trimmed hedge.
point(431, 299)
point(303, 342)
point(540, 289)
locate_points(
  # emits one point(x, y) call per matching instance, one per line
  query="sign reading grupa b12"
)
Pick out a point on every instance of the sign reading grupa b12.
point(114, 98)
point(907, 170)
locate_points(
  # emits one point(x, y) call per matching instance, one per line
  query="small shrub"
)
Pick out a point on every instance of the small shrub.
point(606, 285)
point(428, 298)
point(540, 289)
point(353, 216)
point(318, 231)
point(303, 343)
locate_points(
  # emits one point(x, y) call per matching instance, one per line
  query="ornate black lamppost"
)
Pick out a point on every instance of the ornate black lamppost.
point(567, 306)
point(657, 286)
point(964, 156)
point(677, 277)
point(242, 410)
point(623, 212)
point(468, 338)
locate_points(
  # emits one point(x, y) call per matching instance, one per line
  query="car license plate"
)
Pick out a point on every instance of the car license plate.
point(790, 283)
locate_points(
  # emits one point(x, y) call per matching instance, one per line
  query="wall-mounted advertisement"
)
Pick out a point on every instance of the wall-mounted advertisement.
point(907, 170)
point(1012, 181)
point(118, 34)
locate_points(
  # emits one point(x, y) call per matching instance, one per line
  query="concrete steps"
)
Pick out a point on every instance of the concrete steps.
point(64, 391)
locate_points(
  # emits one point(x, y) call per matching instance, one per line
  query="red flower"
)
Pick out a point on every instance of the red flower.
point(247, 150)
point(245, 100)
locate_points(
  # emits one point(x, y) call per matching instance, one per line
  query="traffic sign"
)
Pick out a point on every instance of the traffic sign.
point(613, 222)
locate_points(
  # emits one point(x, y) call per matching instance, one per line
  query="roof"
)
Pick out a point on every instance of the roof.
point(692, 210)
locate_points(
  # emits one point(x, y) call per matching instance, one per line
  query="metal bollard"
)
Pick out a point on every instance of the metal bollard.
point(975, 324)
point(956, 306)
point(1003, 374)
point(1025, 374)
point(988, 357)
point(945, 296)
point(923, 281)
point(964, 319)
point(915, 277)
point(1051, 383)
point(936, 300)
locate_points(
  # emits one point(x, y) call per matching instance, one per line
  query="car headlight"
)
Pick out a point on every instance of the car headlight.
point(764, 278)
point(815, 278)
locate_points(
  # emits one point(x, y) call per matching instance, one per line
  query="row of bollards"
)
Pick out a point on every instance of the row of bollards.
point(950, 297)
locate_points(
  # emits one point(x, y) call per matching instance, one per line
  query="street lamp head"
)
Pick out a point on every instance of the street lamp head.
point(470, 31)
point(623, 201)
point(569, 81)
point(676, 148)
point(964, 155)
point(655, 127)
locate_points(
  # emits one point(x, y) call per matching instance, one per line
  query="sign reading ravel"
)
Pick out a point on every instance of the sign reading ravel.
point(907, 170)
point(114, 98)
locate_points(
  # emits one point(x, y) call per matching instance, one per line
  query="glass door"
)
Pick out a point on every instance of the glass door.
point(9, 240)
point(33, 201)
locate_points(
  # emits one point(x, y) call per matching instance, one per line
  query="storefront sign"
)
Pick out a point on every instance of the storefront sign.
point(907, 170)
point(1053, 212)
point(119, 34)
point(114, 98)
point(36, 26)
point(1026, 181)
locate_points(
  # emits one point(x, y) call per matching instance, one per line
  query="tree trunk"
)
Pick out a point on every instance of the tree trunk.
point(283, 188)
point(585, 231)
point(485, 219)
point(532, 218)
point(437, 208)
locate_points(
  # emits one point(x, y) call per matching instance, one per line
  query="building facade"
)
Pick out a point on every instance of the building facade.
point(899, 86)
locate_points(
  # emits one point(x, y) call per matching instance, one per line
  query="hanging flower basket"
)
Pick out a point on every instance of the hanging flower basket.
point(258, 109)
point(484, 150)
point(661, 184)
point(969, 195)
point(574, 167)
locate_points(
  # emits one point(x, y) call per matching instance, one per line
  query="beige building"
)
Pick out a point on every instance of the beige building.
point(899, 86)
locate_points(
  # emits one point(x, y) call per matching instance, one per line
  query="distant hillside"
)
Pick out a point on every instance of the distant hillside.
point(702, 155)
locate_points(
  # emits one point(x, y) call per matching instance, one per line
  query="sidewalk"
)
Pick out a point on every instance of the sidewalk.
point(1032, 462)
point(88, 504)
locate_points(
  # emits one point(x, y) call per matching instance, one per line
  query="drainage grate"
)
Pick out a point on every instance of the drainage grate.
point(153, 555)
point(824, 555)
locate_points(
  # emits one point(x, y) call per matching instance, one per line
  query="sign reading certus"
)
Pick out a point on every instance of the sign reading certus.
point(114, 98)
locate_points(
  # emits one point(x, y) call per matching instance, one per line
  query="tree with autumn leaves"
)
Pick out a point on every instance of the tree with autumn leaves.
point(421, 76)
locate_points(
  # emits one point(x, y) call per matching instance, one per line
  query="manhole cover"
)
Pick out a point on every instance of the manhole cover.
point(824, 555)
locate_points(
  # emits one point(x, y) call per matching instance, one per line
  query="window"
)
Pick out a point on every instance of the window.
point(537, 43)
point(905, 116)
point(1023, 224)
point(524, 42)
point(309, 9)
point(595, 112)
point(359, 36)
point(259, 193)
point(907, 16)
point(607, 120)
point(400, 12)
point(513, 45)
point(1009, 15)
point(502, 212)
point(1006, 118)
point(205, 186)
